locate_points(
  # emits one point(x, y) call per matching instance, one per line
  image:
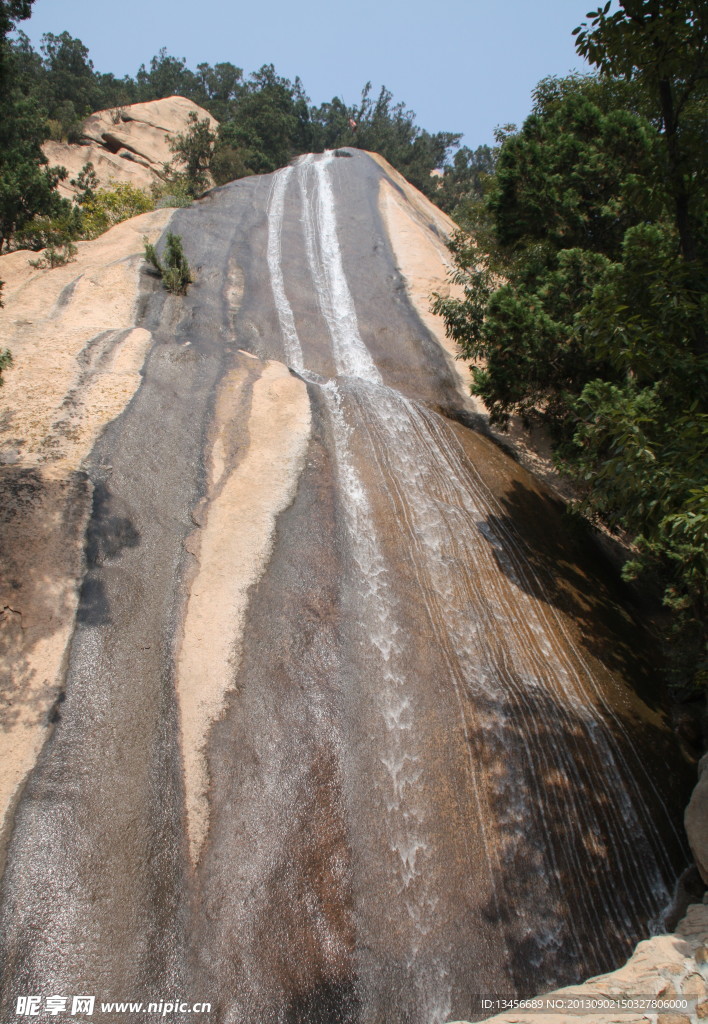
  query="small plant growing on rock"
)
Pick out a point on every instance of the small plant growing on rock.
point(173, 268)
point(55, 256)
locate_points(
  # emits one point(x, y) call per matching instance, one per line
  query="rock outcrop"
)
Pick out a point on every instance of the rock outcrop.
point(696, 820)
point(79, 356)
point(671, 969)
point(127, 143)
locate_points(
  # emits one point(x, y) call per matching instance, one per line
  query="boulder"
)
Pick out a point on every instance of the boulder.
point(665, 967)
point(696, 820)
point(128, 144)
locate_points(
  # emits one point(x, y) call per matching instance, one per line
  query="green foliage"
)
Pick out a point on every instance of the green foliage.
point(11, 11)
point(269, 123)
point(57, 230)
point(218, 87)
point(265, 120)
point(663, 48)
point(194, 150)
point(574, 176)
point(463, 181)
point(228, 163)
point(5, 362)
point(55, 256)
point(108, 206)
point(172, 191)
point(643, 466)
point(387, 128)
point(585, 299)
point(167, 76)
point(27, 184)
point(85, 183)
point(68, 74)
point(173, 268)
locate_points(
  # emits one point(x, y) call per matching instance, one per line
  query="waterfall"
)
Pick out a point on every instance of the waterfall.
point(428, 779)
point(276, 202)
point(552, 778)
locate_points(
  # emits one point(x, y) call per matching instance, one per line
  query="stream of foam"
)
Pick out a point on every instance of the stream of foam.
point(400, 756)
point(276, 203)
point(351, 356)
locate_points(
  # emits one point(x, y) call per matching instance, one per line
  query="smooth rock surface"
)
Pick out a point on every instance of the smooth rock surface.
point(399, 730)
point(128, 144)
point(77, 362)
point(696, 820)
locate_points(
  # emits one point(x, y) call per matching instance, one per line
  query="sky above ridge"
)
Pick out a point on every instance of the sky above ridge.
point(461, 65)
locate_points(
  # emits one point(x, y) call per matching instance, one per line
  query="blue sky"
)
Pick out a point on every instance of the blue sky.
point(461, 65)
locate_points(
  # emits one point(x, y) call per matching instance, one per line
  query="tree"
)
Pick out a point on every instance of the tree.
point(219, 87)
point(101, 208)
point(271, 121)
point(69, 85)
point(27, 184)
point(664, 47)
point(463, 180)
point(582, 307)
point(11, 11)
point(567, 186)
point(194, 150)
point(168, 76)
point(387, 128)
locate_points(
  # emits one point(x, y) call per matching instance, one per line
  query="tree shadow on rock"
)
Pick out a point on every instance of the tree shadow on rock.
point(564, 566)
point(42, 521)
point(328, 1002)
point(586, 852)
point(107, 535)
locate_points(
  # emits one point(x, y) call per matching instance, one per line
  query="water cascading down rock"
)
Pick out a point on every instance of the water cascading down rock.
point(350, 730)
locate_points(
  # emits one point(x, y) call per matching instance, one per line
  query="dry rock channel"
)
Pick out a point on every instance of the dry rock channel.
point(311, 707)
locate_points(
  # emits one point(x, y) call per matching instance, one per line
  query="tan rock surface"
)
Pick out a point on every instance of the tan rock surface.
point(425, 263)
point(77, 361)
point(127, 143)
point(696, 820)
point(108, 166)
point(665, 967)
point(232, 548)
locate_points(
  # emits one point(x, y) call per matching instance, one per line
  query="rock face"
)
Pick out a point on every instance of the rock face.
point(127, 143)
point(668, 968)
point(696, 820)
point(78, 357)
point(235, 630)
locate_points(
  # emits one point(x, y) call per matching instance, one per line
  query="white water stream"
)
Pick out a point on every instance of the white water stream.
point(551, 772)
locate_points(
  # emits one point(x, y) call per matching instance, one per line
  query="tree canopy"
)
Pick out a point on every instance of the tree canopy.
point(265, 119)
point(585, 291)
